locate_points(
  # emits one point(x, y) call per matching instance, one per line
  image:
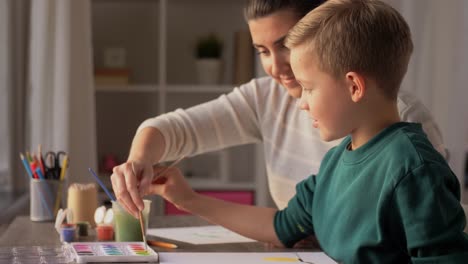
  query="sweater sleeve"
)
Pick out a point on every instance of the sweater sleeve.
point(229, 120)
point(294, 222)
point(427, 204)
point(413, 110)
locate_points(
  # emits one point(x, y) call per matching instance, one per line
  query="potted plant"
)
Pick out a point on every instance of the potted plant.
point(208, 59)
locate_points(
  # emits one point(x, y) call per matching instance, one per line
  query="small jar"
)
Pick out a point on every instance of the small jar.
point(67, 233)
point(82, 228)
point(105, 233)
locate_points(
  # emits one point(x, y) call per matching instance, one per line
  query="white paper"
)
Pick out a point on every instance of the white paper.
point(200, 235)
point(244, 258)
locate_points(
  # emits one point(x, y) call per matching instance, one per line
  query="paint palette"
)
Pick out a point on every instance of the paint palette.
point(113, 252)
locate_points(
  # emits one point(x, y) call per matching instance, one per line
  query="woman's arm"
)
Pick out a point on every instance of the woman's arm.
point(147, 148)
point(229, 120)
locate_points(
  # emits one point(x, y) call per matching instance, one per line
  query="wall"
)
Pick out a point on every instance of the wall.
point(4, 94)
point(437, 72)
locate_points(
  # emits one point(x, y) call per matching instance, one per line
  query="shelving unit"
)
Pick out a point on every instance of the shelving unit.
point(159, 37)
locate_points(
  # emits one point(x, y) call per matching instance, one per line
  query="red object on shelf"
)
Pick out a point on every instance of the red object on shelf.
point(242, 197)
point(108, 163)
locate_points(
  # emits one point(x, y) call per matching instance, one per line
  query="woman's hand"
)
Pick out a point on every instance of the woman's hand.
point(171, 186)
point(130, 182)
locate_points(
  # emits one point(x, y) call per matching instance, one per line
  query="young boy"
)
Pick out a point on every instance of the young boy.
point(384, 195)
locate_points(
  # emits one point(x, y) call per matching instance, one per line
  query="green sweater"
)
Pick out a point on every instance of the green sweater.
point(393, 200)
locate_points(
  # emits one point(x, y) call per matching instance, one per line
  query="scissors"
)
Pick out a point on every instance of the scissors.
point(53, 164)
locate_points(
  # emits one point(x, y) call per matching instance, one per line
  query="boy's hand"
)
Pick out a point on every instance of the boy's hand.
point(128, 187)
point(171, 186)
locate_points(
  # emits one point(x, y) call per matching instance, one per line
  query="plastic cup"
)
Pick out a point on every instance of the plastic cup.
point(127, 227)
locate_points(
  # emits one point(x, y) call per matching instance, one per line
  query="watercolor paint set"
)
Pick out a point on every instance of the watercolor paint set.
point(112, 252)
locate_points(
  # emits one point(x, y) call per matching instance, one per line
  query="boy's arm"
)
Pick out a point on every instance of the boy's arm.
point(427, 205)
point(250, 221)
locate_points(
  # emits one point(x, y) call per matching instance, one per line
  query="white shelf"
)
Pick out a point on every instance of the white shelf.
point(200, 88)
point(159, 37)
point(129, 88)
point(153, 88)
point(214, 184)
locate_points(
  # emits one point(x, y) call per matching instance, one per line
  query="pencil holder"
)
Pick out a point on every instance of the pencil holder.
point(43, 196)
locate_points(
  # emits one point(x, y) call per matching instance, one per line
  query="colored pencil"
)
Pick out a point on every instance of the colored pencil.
point(39, 173)
point(28, 156)
point(59, 190)
point(64, 167)
point(161, 244)
point(41, 160)
point(30, 161)
point(26, 166)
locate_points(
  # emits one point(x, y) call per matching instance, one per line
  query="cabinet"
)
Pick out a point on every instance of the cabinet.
point(158, 39)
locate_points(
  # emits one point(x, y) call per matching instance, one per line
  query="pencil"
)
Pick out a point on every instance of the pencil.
point(26, 166)
point(161, 244)
point(64, 167)
point(31, 166)
point(41, 160)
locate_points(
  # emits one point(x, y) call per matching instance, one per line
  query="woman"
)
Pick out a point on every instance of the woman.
point(263, 110)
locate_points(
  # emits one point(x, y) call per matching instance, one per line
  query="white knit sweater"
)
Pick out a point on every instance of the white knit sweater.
point(262, 111)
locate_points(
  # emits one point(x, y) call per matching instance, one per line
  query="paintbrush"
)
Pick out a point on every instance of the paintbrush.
point(140, 213)
point(140, 216)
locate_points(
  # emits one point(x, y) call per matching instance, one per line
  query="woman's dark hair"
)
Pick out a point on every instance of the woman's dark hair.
point(261, 8)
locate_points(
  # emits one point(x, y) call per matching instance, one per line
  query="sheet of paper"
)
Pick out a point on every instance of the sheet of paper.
point(244, 258)
point(199, 235)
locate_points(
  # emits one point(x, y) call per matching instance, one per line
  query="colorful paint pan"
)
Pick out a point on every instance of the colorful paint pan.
point(113, 252)
point(138, 249)
point(83, 250)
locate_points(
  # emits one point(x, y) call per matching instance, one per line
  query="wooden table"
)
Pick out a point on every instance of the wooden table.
point(23, 232)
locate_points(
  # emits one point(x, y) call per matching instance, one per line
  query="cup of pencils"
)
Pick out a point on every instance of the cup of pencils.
point(47, 175)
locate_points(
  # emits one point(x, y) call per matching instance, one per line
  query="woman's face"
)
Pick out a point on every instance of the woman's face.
point(268, 35)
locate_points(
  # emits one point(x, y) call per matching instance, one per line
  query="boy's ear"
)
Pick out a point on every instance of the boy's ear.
point(356, 86)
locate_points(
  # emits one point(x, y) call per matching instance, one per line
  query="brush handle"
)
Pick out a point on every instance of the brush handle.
point(166, 169)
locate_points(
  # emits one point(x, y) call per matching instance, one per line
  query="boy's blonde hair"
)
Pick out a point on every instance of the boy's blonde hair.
point(365, 36)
